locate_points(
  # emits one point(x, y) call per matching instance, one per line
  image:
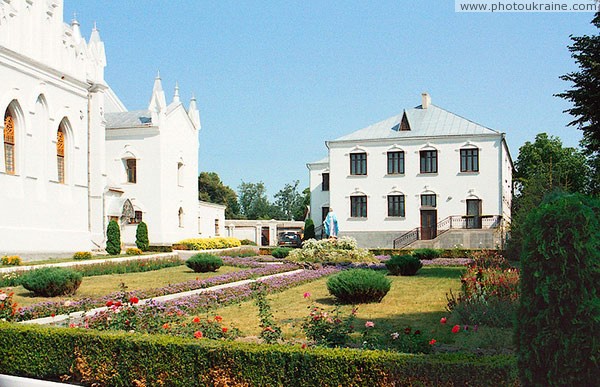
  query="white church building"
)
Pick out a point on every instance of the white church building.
point(423, 178)
point(73, 157)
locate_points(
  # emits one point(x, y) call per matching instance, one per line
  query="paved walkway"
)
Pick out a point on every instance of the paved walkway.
point(15, 381)
point(168, 297)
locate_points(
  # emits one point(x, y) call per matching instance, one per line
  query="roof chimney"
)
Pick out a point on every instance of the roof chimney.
point(425, 100)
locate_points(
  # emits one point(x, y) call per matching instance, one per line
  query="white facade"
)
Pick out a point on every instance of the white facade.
point(414, 192)
point(211, 220)
point(53, 93)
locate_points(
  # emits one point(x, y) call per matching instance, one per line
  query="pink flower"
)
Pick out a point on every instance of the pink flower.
point(443, 320)
point(369, 324)
point(307, 295)
point(432, 342)
point(198, 335)
point(456, 329)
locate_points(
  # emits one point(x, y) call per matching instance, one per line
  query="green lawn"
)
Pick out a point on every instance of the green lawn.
point(418, 302)
point(97, 286)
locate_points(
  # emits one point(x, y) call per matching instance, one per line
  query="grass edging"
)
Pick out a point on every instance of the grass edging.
point(111, 359)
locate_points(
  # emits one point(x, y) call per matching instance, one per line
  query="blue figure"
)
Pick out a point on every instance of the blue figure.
point(331, 225)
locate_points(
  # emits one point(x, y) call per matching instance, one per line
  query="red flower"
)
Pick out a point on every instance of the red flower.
point(196, 319)
point(443, 320)
point(407, 330)
point(307, 295)
point(109, 303)
point(417, 332)
point(166, 326)
point(224, 329)
point(456, 329)
point(134, 300)
point(198, 334)
point(304, 345)
point(53, 315)
point(432, 342)
point(118, 303)
point(218, 319)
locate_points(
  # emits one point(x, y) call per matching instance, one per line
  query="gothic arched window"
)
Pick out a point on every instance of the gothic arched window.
point(180, 214)
point(9, 143)
point(60, 154)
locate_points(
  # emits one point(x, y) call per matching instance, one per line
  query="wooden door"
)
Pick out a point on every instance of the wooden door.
point(428, 224)
point(265, 240)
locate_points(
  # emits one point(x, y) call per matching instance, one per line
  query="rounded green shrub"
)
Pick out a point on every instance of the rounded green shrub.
point(52, 281)
point(281, 252)
point(358, 286)
point(203, 263)
point(113, 238)
point(427, 253)
point(559, 313)
point(133, 251)
point(403, 265)
point(247, 242)
point(141, 237)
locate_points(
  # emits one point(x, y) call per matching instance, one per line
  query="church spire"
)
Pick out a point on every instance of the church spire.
point(76, 29)
point(176, 95)
point(158, 102)
point(194, 114)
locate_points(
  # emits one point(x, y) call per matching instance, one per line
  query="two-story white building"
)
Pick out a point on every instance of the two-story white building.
point(423, 178)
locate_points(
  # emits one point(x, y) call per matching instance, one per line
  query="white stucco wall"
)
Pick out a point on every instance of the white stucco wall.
point(209, 216)
point(318, 197)
point(47, 81)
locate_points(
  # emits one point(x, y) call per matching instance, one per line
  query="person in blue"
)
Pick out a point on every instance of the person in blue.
point(330, 225)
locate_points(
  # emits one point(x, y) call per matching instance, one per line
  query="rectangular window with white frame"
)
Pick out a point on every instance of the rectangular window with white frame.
point(469, 160)
point(358, 163)
point(429, 162)
point(325, 182)
point(358, 206)
point(396, 206)
point(395, 163)
point(428, 200)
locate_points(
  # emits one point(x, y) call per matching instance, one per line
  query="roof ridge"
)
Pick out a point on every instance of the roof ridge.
point(461, 117)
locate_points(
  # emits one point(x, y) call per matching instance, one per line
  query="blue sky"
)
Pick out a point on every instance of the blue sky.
point(275, 80)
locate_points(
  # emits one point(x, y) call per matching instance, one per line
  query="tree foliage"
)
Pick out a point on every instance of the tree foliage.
point(289, 203)
point(559, 313)
point(211, 189)
point(585, 97)
point(542, 167)
point(141, 237)
point(254, 203)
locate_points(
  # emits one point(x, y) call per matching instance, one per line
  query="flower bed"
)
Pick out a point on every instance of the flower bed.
point(46, 309)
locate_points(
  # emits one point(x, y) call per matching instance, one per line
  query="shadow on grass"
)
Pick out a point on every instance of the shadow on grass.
point(441, 272)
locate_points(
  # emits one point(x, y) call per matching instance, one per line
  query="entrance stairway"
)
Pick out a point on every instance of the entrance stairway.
point(468, 231)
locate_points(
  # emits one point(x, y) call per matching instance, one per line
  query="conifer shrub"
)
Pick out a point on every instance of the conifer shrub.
point(309, 229)
point(113, 238)
point(281, 252)
point(52, 281)
point(559, 312)
point(203, 263)
point(141, 237)
point(427, 253)
point(403, 265)
point(358, 286)
point(81, 255)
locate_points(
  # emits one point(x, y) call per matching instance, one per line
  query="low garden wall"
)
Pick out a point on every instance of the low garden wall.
point(118, 359)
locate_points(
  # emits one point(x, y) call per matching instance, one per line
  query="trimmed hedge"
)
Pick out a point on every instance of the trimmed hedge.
point(281, 252)
point(403, 265)
point(125, 359)
point(445, 253)
point(210, 243)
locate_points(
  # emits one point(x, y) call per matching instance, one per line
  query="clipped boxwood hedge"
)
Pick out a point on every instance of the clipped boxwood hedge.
point(125, 359)
point(52, 281)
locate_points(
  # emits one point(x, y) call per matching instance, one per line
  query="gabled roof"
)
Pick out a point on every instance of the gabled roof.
point(324, 160)
point(433, 121)
point(132, 119)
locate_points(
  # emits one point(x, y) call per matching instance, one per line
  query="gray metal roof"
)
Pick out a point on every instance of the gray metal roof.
point(324, 160)
point(433, 121)
point(132, 119)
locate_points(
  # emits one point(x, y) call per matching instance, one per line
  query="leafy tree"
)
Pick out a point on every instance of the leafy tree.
point(141, 237)
point(211, 189)
point(113, 238)
point(254, 203)
point(542, 167)
point(559, 313)
point(585, 96)
point(289, 202)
